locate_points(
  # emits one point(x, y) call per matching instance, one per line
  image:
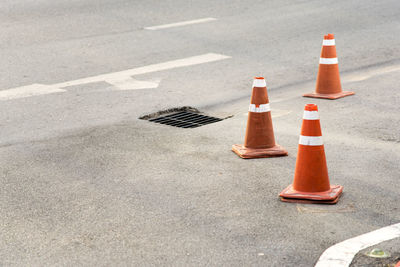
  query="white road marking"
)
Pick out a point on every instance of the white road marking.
point(342, 254)
point(121, 80)
point(178, 24)
point(189, 61)
point(29, 90)
point(129, 83)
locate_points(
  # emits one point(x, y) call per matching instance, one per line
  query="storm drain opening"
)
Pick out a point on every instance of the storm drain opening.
point(185, 117)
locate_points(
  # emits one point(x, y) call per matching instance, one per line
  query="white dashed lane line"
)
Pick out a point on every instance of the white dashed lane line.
point(179, 24)
point(121, 80)
point(342, 254)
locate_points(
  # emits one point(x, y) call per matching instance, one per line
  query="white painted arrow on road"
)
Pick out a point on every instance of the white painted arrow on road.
point(121, 80)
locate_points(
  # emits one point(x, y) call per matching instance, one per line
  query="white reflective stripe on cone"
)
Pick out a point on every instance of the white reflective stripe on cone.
point(311, 140)
point(261, 108)
point(328, 42)
point(333, 60)
point(259, 83)
point(310, 115)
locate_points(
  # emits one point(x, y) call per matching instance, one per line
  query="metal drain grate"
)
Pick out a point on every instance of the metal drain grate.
point(185, 119)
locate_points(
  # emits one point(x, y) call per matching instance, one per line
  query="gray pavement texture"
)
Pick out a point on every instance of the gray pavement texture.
point(84, 182)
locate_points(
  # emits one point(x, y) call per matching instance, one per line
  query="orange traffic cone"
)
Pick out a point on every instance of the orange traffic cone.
point(311, 181)
point(328, 79)
point(259, 140)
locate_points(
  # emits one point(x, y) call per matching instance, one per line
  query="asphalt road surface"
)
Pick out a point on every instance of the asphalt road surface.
point(84, 182)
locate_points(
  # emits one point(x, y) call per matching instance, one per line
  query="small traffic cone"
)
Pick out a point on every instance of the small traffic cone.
point(311, 181)
point(328, 78)
point(259, 140)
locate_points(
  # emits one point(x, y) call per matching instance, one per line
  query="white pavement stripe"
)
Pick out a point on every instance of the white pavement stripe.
point(29, 90)
point(189, 61)
point(260, 109)
point(311, 140)
point(178, 24)
point(342, 254)
point(328, 42)
point(310, 115)
point(328, 61)
point(128, 83)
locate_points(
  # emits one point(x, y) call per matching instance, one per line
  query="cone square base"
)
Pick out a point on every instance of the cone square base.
point(292, 195)
point(308, 201)
point(329, 96)
point(254, 153)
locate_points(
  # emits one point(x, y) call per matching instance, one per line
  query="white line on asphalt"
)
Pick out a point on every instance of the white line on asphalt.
point(189, 61)
point(128, 83)
point(342, 254)
point(121, 80)
point(29, 90)
point(178, 24)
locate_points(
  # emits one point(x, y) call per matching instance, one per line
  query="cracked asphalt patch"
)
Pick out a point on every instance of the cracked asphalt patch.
point(392, 247)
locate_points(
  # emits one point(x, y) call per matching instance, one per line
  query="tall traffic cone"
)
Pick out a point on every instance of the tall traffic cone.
point(311, 181)
point(259, 140)
point(328, 78)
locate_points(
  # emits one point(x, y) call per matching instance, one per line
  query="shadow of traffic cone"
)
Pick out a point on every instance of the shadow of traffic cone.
point(328, 78)
point(259, 140)
point(311, 181)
